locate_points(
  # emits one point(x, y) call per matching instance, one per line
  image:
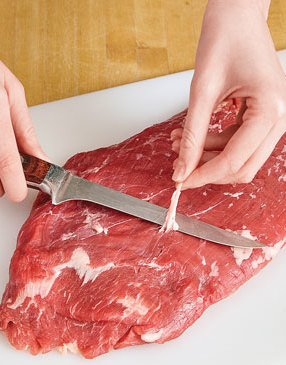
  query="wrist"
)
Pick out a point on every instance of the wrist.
point(261, 6)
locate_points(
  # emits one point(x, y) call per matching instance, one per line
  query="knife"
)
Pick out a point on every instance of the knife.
point(64, 186)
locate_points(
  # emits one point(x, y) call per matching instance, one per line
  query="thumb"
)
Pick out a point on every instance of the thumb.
point(202, 101)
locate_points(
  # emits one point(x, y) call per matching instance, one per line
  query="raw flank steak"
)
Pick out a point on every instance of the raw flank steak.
point(89, 279)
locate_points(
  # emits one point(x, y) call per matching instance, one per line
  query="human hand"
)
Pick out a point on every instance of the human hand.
point(235, 58)
point(17, 131)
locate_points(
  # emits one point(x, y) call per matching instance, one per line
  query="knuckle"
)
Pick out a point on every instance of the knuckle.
point(201, 85)
point(233, 165)
point(29, 133)
point(8, 163)
point(279, 108)
point(189, 140)
point(276, 107)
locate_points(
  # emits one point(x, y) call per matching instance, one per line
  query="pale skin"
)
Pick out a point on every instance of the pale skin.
point(17, 132)
point(235, 58)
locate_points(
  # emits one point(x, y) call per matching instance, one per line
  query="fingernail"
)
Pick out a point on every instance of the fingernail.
point(179, 172)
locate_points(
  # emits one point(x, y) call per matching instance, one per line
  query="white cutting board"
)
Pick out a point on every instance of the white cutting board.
point(249, 327)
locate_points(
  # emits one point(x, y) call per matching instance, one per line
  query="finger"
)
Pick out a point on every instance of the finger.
point(207, 156)
point(1, 190)
point(11, 171)
point(176, 145)
point(176, 134)
point(175, 163)
point(217, 142)
point(202, 101)
point(225, 167)
point(242, 109)
point(21, 119)
point(257, 160)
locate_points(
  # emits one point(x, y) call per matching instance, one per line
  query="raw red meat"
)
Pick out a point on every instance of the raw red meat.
point(89, 279)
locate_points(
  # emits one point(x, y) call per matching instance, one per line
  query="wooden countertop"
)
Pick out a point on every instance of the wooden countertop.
point(61, 48)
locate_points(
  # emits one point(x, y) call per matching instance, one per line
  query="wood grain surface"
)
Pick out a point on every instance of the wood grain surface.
point(61, 48)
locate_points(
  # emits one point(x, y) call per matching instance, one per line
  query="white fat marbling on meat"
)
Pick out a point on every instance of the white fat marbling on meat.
point(152, 336)
point(92, 221)
point(234, 195)
point(66, 236)
point(280, 158)
point(133, 305)
point(230, 205)
point(139, 156)
point(72, 347)
point(136, 285)
point(247, 234)
point(257, 262)
point(271, 252)
point(269, 171)
point(97, 168)
point(152, 195)
point(154, 265)
point(170, 222)
point(282, 177)
point(29, 305)
point(204, 261)
point(68, 298)
point(39, 315)
point(214, 126)
point(206, 210)
point(205, 193)
point(276, 166)
point(79, 262)
point(240, 254)
point(98, 228)
point(214, 269)
point(284, 149)
point(253, 196)
point(33, 288)
point(221, 106)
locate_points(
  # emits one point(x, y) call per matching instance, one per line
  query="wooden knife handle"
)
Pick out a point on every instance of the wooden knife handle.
point(35, 169)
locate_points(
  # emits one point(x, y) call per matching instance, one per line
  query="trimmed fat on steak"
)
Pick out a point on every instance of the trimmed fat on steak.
point(88, 279)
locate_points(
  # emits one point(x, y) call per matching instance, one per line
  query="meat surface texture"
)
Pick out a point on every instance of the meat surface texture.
point(89, 279)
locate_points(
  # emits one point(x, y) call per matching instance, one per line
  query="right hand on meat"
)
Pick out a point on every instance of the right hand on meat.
point(17, 131)
point(235, 59)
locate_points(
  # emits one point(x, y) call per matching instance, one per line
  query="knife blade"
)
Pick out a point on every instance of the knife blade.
point(63, 186)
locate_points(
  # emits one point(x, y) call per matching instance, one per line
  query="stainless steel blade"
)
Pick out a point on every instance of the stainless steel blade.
point(64, 186)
